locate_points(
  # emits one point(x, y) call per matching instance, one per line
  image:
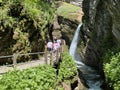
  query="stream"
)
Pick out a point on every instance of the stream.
point(92, 78)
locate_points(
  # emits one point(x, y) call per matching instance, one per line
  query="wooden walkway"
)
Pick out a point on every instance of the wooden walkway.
point(20, 66)
point(48, 58)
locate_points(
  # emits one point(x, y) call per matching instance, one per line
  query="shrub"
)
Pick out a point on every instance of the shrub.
point(112, 69)
point(38, 78)
point(24, 26)
point(67, 67)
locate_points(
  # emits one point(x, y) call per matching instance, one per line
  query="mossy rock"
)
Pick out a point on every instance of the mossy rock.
point(69, 11)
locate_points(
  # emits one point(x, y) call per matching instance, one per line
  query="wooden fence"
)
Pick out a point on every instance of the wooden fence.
point(45, 54)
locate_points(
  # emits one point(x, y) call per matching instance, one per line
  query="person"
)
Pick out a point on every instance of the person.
point(49, 45)
point(59, 41)
point(56, 45)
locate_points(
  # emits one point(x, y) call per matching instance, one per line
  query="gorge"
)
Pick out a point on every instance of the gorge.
point(100, 35)
point(26, 25)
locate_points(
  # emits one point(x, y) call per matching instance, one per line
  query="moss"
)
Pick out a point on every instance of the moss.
point(70, 11)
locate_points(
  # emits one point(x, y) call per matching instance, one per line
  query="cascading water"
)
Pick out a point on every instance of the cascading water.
point(91, 76)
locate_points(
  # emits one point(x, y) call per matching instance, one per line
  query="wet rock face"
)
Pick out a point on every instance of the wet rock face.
point(100, 29)
point(114, 9)
point(67, 29)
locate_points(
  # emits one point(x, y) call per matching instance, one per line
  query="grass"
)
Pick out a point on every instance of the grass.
point(69, 11)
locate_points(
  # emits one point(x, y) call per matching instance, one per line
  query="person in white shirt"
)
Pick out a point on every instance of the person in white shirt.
point(49, 45)
point(59, 41)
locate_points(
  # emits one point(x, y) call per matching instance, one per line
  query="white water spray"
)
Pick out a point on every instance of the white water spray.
point(73, 45)
point(91, 76)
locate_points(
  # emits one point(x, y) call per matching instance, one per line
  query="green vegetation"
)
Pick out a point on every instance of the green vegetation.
point(68, 11)
point(43, 77)
point(112, 68)
point(67, 69)
point(24, 25)
point(38, 78)
point(24, 28)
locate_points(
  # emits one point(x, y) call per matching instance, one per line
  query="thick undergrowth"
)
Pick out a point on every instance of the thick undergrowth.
point(24, 25)
point(43, 77)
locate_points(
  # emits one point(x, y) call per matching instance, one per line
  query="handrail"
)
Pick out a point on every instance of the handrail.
point(15, 55)
point(8, 56)
point(18, 54)
point(48, 58)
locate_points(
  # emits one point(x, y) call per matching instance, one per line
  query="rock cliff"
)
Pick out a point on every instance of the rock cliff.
point(101, 30)
point(68, 17)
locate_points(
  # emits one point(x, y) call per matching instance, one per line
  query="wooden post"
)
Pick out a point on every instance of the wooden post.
point(45, 55)
point(14, 60)
point(51, 58)
point(57, 52)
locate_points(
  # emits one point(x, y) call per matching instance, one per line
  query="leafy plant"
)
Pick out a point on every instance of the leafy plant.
point(38, 78)
point(112, 68)
point(67, 67)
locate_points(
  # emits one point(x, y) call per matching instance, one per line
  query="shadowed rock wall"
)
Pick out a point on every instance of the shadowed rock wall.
point(101, 30)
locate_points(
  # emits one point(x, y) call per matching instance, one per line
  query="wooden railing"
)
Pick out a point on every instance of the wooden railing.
point(45, 54)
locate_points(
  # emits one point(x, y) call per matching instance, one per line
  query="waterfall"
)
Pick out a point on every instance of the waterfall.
point(91, 76)
point(73, 45)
